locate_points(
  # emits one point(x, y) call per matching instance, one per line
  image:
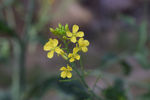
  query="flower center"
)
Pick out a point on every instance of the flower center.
point(73, 34)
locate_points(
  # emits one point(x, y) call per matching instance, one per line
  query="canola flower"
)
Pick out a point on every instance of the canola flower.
point(66, 37)
point(83, 44)
point(74, 56)
point(66, 72)
point(52, 46)
point(74, 34)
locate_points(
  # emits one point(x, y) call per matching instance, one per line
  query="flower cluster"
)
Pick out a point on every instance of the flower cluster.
point(67, 37)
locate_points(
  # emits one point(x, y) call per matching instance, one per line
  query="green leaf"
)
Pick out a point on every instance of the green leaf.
point(59, 25)
point(142, 35)
point(115, 92)
point(108, 59)
point(128, 19)
point(4, 50)
point(5, 30)
point(66, 27)
point(126, 67)
point(142, 58)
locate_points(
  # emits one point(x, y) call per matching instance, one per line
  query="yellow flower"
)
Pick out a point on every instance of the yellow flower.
point(52, 46)
point(74, 33)
point(66, 72)
point(83, 44)
point(74, 56)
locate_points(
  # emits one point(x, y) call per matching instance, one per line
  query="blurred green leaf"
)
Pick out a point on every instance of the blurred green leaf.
point(5, 30)
point(5, 79)
point(69, 87)
point(142, 58)
point(75, 88)
point(4, 50)
point(146, 96)
point(108, 58)
point(5, 95)
point(142, 52)
point(39, 88)
point(126, 67)
point(142, 35)
point(115, 92)
point(128, 19)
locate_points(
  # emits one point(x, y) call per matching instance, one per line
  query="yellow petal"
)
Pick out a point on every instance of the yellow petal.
point(47, 46)
point(77, 57)
point(73, 39)
point(50, 39)
point(50, 54)
point(84, 49)
point(63, 74)
point(86, 42)
point(70, 55)
point(69, 34)
point(58, 50)
point(75, 50)
point(80, 41)
point(80, 34)
point(55, 42)
point(69, 74)
point(75, 28)
point(69, 68)
point(63, 69)
point(72, 60)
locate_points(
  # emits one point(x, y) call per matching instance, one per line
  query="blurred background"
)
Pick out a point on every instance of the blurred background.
point(117, 65)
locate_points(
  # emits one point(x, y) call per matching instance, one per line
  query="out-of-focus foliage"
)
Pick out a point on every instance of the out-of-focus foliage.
point(116, 91)
point(5, 30)
point(4, 50)
point(127, 68)
point(146, 96)
point(70, 87)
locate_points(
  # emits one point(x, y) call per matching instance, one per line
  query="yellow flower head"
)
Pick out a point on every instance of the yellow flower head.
point(65, 35)
point(83, 44)
point(52, 46)
point(66, 72)
point(74, 33)
point(74, 56)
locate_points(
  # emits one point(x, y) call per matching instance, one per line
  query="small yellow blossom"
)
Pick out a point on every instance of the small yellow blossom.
point(66, 72)
point(83, 44)
point(73, 36)
point(52, 46)
point(74, 56)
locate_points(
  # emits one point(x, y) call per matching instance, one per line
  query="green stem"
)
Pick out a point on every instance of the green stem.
point(22, 66)
point(16, 77)
point(91, 92)
point(18, 70)
point(81, 76)
point(95, 83)
point(19, 76)
point(66, 46)
point(28, 20)
point(81, 65)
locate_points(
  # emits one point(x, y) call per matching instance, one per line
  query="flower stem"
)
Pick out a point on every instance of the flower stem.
point(91, 92)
